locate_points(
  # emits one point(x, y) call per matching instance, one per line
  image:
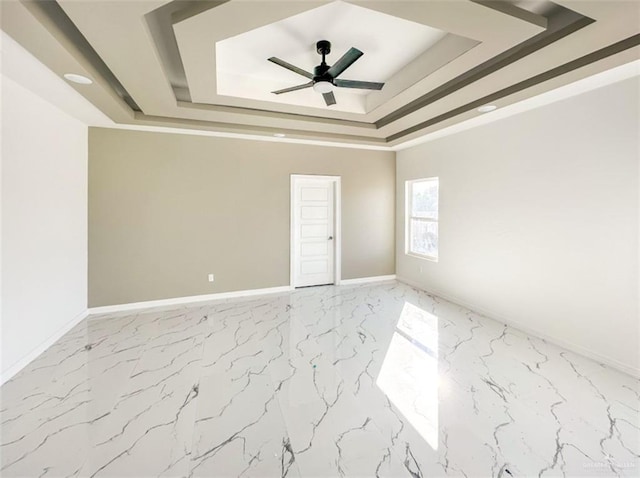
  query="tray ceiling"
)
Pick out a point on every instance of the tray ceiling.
point(389, 43)
point(202, 64)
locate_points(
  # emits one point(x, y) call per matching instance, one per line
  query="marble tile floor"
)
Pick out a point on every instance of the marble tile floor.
point(365, 381)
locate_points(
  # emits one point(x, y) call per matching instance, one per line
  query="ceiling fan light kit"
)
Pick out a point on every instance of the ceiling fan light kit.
point(322, 86)
point(324, 78)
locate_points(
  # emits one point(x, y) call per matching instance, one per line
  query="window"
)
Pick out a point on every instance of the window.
point(422, 217)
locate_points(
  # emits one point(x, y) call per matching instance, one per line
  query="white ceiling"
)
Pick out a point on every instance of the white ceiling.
point(23, 68)
point(389, 44)
point(154, 62)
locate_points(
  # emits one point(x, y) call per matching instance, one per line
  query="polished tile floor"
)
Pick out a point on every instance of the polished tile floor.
point(370, 381)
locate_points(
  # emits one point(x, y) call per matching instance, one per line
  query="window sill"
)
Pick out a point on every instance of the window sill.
point(421, 256)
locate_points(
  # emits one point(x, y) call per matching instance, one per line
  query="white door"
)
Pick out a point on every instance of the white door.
point(313, 211)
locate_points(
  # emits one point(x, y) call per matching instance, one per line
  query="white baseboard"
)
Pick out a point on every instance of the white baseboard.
point(150, 304)
point(31, 356)
point(611, 362)
point(366, 280)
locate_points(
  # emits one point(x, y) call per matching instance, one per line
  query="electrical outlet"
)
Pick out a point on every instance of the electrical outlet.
point(211, 278)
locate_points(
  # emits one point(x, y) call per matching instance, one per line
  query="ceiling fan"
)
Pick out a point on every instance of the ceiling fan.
point(324, 78)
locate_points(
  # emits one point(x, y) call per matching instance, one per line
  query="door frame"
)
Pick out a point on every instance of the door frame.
point(337, 226)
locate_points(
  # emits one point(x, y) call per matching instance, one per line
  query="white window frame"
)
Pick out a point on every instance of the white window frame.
point(408, 217)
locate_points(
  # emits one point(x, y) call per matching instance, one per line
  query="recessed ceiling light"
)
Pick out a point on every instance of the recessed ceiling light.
point(279, 135)
point(82, 80)
point(487, 108)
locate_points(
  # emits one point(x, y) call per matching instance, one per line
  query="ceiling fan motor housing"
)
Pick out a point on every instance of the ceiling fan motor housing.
point(320, 73)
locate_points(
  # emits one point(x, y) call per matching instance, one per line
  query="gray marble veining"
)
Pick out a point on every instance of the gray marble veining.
point(365, 381)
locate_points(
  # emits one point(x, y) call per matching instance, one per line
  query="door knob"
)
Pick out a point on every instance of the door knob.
point(331, 238)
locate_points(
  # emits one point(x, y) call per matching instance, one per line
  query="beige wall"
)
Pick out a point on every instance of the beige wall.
point(539, 221)
point(167, 209)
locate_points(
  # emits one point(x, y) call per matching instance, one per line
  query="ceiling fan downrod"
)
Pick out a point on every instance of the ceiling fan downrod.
point(323, 47)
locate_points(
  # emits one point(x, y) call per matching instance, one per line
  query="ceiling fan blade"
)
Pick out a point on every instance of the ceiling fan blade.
point(291, 67)
point(293, 88)
point(363, 85)
point(329, 99)
point(345, 62)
